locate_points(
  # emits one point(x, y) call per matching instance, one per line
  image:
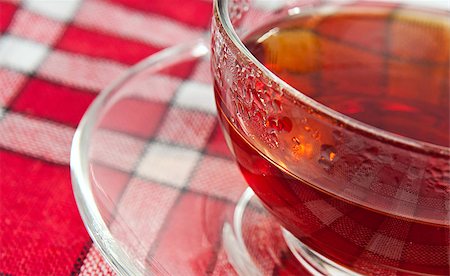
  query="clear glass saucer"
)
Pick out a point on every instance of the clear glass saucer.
point(154, 181)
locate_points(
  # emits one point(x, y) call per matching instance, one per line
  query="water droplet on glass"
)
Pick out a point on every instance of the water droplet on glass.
point(286, 124)
point(276, 105)
point(265, 97)
point(272, 123)
point(273, 140)
point(327, 156)
point(316, 135)
point(283, 124)
point(298, 150)
point(248, 96)
point(301, 149)
point(240, 107)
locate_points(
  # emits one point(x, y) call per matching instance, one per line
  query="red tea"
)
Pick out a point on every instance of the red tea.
point(389, 68)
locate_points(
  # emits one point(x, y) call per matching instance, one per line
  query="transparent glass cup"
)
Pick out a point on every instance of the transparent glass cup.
point(356, 189)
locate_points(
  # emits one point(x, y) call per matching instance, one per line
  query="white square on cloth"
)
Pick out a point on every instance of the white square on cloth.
point(62, 10)
point(21, 54)
point(168, 164)
point(196, 95)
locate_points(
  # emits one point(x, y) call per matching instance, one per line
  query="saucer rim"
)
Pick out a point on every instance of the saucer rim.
point(111, 250)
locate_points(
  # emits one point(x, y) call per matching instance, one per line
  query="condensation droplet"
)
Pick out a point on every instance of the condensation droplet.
point(265, 97)
point(276, 105)
point(273, 140)
point(272, 123)
point(307, 128)
point(298, 150)
point(301, 150)
point(286, 124)
point(258, 116)
point(316, 135)
point(327, 156)
point(247, 96)
point(279, 124)
point(240, 108)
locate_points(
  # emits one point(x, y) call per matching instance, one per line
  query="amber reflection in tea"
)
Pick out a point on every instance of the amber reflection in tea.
point(388, 69)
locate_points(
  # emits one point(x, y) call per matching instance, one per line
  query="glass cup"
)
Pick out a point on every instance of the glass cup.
point(337, 114)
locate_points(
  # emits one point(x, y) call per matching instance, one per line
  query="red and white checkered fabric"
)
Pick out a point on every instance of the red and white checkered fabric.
point(55, 56)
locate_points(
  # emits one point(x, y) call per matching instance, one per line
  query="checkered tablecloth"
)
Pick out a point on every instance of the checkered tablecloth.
point(55, 56)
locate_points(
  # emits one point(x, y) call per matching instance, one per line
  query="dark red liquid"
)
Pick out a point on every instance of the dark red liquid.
point(389, 70)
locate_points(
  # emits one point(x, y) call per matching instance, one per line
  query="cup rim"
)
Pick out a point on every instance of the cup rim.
point(220, 10)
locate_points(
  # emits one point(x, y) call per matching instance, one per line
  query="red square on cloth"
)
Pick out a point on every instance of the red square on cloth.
point(191, 12)
point(217, 144)
point(52, 101)
point(134, 116)
point(7, 11)
point(98, 44)
point(30, 206)
point(136, 24)
point(199, 218)
point(182, 70)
